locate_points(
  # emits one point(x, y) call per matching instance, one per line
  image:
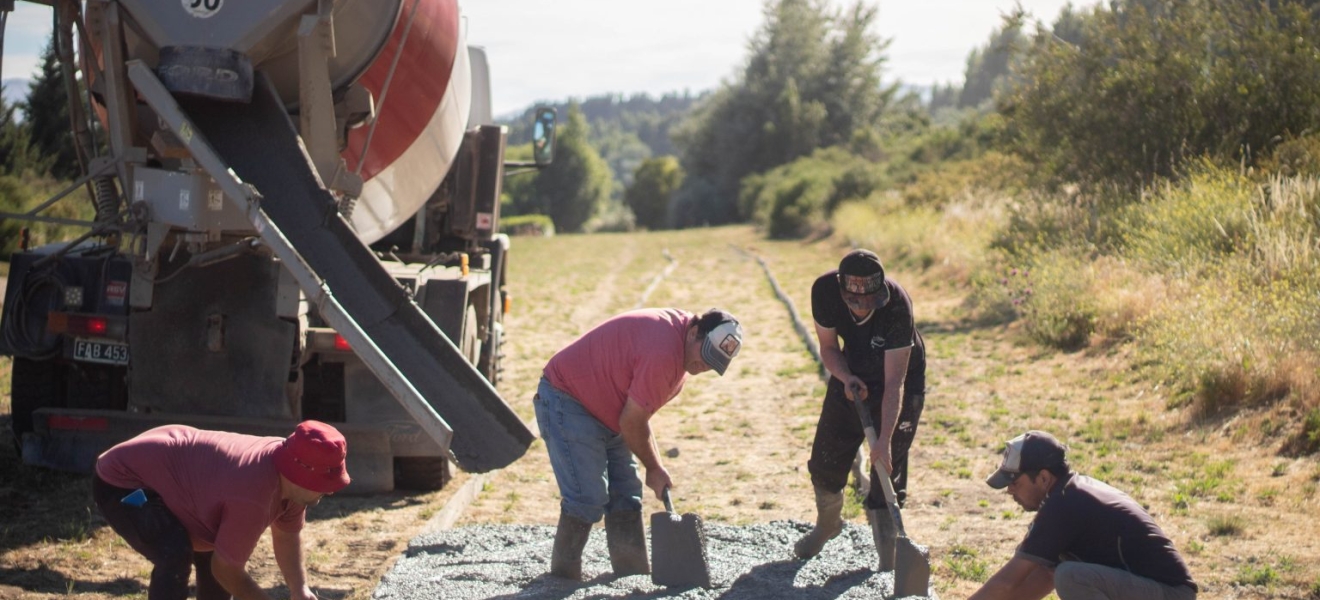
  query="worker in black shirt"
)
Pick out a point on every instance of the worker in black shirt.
point(872, 316)
point(1088, 541)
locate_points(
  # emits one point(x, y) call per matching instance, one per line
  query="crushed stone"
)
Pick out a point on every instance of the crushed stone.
point(749, 562)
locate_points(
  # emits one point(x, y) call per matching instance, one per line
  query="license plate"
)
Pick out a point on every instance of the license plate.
point(98, 351)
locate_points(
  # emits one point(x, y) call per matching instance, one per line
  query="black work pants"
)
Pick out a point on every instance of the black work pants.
point(155, 533)
point(839, 433)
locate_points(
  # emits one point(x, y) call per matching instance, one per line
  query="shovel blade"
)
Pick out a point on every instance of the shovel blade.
point(911, 569)
point(678, 551)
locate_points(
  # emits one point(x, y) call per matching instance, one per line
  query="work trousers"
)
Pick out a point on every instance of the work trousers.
point(1087, 581)
point(155, 533)
point(839, 433)
point(594, 468)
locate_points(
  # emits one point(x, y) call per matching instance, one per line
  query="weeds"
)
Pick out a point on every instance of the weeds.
point(1226, 526)
point(963, 562)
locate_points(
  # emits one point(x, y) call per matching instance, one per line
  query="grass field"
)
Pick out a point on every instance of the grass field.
point(1241, 513)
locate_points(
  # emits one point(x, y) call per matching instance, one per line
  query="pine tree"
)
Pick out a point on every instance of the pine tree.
point(47, 112)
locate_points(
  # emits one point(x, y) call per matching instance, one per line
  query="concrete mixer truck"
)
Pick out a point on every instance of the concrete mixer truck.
point(296, 217)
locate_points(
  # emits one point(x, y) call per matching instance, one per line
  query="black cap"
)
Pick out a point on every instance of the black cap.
point(862, 280)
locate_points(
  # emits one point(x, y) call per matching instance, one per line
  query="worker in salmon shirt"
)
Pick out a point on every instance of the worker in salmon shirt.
point(185, 498)
point(594, 406)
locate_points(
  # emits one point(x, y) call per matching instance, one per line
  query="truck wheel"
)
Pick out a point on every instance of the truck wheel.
point(471, 343)
point(425, 473)
point(36, 384)
point(491, 352)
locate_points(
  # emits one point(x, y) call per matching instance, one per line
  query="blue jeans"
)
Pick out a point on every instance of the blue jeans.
point(593, 466)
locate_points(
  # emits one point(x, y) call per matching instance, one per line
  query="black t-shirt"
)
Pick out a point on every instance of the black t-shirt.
point(1086, 520)
point(890, 327)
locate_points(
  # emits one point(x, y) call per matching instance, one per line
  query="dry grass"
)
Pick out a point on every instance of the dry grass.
point(1238, 506)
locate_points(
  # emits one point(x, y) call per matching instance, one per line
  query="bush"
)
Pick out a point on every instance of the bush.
point(797, 198)
point(541, 225)
point(1185, 228)
point(1052, 293)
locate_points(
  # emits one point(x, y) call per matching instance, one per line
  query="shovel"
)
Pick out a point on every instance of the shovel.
point(911, 562)
point(678, 549)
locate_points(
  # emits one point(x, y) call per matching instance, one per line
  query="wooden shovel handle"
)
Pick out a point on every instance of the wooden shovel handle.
point(868, 424)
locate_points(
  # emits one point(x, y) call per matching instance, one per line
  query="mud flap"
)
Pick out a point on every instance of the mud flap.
point(259, 144)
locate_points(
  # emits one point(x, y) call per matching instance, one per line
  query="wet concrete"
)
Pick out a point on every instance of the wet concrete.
point(747, 563)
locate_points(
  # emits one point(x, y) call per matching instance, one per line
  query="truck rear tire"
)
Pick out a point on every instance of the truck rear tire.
point(424, 473)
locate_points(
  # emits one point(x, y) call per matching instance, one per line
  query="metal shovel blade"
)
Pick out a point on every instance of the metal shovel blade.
point(911, 562)
point(678, 549)
point(911, 569)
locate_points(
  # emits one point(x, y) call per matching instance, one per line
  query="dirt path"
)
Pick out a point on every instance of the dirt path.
point(1242, 514)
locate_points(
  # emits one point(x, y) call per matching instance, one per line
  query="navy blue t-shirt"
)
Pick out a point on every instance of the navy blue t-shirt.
point(889, 327)
point(1086, 520)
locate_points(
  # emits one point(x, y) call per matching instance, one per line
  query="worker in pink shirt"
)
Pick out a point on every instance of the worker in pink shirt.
point(594, 406)
point(185, 497)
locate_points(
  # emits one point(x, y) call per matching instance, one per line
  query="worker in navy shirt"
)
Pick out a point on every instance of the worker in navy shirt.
point(1088, 541)
point(870, 345)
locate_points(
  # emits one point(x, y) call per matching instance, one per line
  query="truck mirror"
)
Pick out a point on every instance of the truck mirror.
point(543, 136)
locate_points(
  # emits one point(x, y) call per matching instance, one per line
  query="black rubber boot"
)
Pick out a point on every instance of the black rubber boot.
point(570, 539)
point(626, 537)
point(885, 534)
point(829, 522)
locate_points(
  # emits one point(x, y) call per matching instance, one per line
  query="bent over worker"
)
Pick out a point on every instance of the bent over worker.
point(1088, 540)
point(594, 406)
point(185, 497)
point(882, 360)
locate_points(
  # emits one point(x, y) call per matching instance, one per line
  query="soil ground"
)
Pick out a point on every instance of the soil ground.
point(1241, 512)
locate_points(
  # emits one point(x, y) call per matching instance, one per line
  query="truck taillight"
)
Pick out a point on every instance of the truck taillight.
point(325, 339)
point(86, 325)
point(508, 304)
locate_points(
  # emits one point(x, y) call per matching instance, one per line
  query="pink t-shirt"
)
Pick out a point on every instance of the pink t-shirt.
point(637, 354)
point(222, 486)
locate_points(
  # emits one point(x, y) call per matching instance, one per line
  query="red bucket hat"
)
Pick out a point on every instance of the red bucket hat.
point(313, 458)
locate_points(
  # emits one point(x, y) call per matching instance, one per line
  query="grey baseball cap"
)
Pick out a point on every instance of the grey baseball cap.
point(722, 343)
point(1031, 451)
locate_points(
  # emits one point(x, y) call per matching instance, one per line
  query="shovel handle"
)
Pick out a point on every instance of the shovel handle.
point(868, 424)
point(669, 504)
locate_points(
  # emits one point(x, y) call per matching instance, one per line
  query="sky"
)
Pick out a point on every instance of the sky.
point(555, 50)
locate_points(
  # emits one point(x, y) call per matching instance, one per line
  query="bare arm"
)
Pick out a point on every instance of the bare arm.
point(891, 404)
point(635, 426)
point(835, 362)
point(1018, 579)
point(235, 579)
point(289, 556)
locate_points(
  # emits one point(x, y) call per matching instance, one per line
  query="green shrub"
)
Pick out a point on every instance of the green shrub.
point(798, 198)
point(528, 225)
point(1185, 228)
point(1052, 293)
point(1294, 157)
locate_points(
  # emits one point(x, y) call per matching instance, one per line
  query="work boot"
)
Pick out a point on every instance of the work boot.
point(829, 507)
point(626, 537)
point(885, 534)
point(570, 539)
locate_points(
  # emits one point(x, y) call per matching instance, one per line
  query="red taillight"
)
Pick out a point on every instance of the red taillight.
point(341, 344)
point(85, 325)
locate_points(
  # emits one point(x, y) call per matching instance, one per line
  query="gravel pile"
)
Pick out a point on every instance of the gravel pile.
point(747, 563)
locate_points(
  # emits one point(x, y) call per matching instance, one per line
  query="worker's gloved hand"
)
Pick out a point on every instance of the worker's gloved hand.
point(658, 479)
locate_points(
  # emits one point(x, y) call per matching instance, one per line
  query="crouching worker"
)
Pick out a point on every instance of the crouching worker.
point(1088, 541)
point(594, 406)
point(185, 497)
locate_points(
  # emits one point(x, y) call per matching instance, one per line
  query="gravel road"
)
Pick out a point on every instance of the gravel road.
point(747, 563)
